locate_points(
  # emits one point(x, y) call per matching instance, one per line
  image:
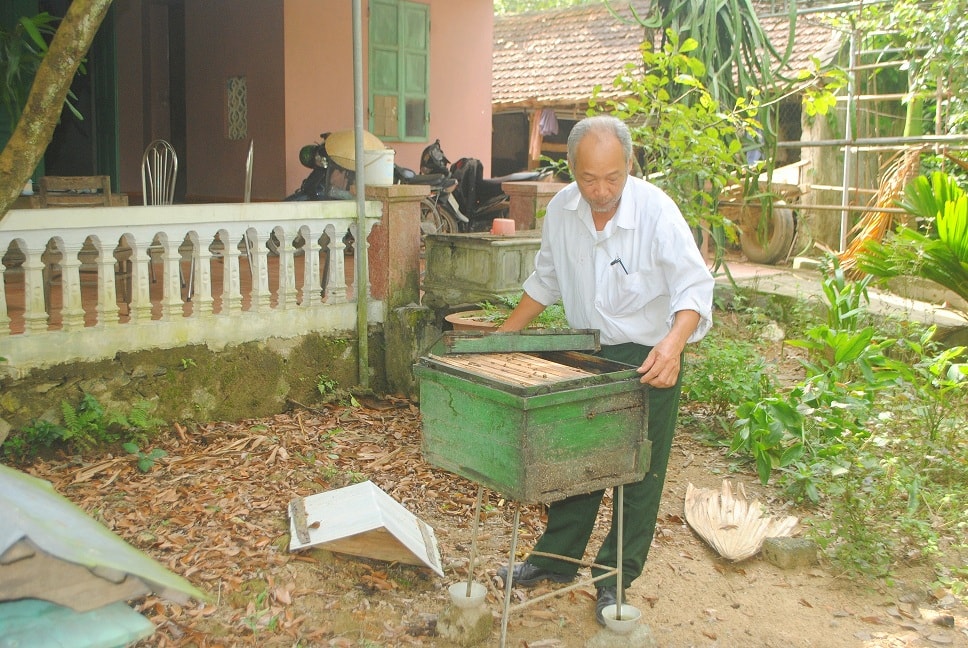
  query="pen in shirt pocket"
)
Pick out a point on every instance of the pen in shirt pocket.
point(618, 260)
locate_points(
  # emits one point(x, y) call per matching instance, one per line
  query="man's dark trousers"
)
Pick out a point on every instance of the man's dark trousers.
point(571, 520)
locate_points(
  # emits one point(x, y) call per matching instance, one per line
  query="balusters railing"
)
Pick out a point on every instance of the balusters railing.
point(160, 265)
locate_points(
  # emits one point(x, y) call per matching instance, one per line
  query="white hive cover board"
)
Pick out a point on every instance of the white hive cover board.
point(362, 520)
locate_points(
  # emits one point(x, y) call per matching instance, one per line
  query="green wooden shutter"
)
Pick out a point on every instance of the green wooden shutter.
point(399, 70)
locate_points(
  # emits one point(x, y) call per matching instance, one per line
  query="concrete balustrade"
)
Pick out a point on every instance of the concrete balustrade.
point(83, 284)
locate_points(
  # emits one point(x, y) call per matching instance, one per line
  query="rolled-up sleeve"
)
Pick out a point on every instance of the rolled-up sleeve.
point(542, 285)
point(690, 282)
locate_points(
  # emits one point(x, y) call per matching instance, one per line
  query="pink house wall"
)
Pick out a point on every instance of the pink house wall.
point(461, 34)
point(296, 56)
point(319, 78)
point(318, 51)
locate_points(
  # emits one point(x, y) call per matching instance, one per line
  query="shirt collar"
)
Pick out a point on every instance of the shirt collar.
point(625, 217)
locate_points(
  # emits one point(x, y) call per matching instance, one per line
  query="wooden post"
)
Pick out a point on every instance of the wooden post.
point(535, 139)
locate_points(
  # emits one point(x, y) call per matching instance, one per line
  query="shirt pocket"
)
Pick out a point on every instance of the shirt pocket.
point(624, 294)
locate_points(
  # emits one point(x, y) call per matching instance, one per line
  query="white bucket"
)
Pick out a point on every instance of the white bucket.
point(378, 167)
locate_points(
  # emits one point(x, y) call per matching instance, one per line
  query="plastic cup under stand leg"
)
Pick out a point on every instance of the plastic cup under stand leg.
point(624, 625)
point(460, 597)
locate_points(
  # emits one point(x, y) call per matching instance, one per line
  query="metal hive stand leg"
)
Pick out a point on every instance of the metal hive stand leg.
point(477, 530)
point(620, 525)
point(509, 581)
point(610, 571)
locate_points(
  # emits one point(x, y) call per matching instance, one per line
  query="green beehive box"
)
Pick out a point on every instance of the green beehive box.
point(576, 424)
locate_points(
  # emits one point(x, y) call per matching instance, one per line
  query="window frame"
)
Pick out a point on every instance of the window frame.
point(406, 54)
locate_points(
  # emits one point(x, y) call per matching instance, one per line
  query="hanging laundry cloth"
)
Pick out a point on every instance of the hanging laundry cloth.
point(548, 123)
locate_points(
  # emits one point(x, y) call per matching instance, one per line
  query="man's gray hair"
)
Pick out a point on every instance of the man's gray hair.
point(599, 123)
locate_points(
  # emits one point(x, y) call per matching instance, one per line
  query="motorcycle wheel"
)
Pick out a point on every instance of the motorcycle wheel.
point(435, 220)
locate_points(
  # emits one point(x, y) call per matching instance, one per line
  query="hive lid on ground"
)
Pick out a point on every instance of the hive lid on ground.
point(529, 340)
point(362, 520)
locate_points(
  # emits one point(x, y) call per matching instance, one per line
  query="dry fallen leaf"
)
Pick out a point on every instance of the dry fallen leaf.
point(732, 524)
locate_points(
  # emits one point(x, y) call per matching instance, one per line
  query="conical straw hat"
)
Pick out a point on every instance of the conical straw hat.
point(342, 149)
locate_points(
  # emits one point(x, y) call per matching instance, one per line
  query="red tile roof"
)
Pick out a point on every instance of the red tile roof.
point(557, 57)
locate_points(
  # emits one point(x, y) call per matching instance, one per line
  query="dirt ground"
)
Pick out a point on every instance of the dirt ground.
point(215, 511)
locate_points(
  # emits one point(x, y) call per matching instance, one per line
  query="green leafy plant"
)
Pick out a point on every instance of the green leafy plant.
point(137, 425)
point(84, 428)
point(552, 317)
point(829, 403)
point(325, 385)
point(33, 439)
point(724, 372)
point(690, 145)
point(930, 34)
point(874, 432)
point(939, 253)
point(771, 431)
point(146, 460)
point(22, 48)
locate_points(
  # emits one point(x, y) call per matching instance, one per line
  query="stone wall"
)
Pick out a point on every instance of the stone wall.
point(194, 384)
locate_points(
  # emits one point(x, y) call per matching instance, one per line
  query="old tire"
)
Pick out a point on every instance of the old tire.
point(776, 244)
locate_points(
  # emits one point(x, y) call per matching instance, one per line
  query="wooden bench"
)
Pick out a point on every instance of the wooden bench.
point(77, 191)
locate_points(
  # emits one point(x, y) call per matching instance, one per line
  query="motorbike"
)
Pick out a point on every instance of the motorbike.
point(479, 200)
point(331, 179)
point(327, 180)
point(439, 211)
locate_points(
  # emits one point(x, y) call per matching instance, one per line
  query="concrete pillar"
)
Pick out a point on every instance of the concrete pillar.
point(409, 331)
point(394, 251)
point(528, 199)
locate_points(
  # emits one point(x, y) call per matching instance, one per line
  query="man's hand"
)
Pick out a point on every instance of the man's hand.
point(526, 310)
point(661, 367)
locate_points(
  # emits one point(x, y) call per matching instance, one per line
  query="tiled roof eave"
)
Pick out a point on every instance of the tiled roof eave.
point(557, 102)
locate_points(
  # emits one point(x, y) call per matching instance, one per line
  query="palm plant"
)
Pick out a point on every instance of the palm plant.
point(938, 251)
point(736, 52)
point(22, 48)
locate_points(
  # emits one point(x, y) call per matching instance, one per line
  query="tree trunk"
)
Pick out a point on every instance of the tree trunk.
point(35, 129)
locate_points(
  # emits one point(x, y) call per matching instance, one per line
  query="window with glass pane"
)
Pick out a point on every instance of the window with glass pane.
point(399, 69)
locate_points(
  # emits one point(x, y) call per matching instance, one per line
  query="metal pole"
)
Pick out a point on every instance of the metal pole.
point(359, 245)
point(848, 135)
point(477, 530)
point(949, 140)
point(620, 586)
point(510, 578)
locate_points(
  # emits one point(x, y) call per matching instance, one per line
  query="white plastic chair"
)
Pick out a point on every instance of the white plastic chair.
point(159, 166)
point(247, 197)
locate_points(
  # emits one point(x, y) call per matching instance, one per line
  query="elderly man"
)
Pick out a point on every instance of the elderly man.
point(617, 252)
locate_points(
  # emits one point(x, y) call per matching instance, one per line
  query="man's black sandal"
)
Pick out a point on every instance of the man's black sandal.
point(606, 597)
point(527, 575)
